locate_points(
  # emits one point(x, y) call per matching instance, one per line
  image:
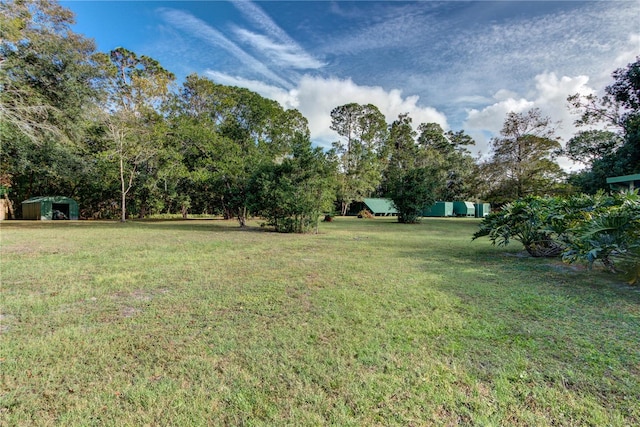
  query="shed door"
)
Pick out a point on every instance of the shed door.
point(60, 211)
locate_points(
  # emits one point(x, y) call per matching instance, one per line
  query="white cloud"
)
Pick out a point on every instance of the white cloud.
point(197, 28)
point(287, 98)
point(276, 43)
point(318, 96)
point(285, 55)
point(256, 15)
point(315, 97)
point(550, 96)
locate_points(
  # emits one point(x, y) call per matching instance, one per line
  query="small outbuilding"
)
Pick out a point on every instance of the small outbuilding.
point(626, 182)
point(50, 208)
point(463, 209)
point(380, 207)
point(482, 209)
point(440, 209)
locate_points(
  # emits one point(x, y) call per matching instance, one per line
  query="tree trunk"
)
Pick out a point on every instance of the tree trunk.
point(123, 190)
point(123, 215)
point(345, 208)
point(242, 216)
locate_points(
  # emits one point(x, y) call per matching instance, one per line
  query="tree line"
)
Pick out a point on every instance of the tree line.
point(116, 132)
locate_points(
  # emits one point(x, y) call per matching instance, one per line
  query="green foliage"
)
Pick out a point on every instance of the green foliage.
point(448, 152)
point(527, 221)
point(591, 145)
point(47, 72)
point(48, 78)
point(523, 161)
point(222, 135)
point(415, 173)
point(292, 194)
point(620, 107)
point(608, 232)
point(582, 228)
point(411, 191)
point(360, 155)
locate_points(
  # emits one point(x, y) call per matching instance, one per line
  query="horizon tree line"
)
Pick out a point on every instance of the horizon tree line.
point(116, 132)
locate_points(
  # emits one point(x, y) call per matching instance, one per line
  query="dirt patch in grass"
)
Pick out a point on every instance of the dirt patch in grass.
point(32, 251)
point(129, 311)
point(5, 322)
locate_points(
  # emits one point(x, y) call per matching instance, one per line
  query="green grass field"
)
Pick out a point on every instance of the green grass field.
point(369, 322)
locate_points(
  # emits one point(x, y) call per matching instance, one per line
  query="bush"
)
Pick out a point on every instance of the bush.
point(364, 213)
point(292, 195)
point(524, 220)
point(411, 191)
point(597, 228)
point(610, 233)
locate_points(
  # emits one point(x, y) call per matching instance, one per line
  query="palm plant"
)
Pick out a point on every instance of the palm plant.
point(610, 233)
point(527, 221)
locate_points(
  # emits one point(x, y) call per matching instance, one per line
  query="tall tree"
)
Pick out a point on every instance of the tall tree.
point(136, 87)
point(47, 72)
point(360, 152)
point(447, 151)
point(223, 134)
point(292, 193)
point(413, 175)
point(523, 161)
point(620, 108)
point(588, 146)
point(259, 131)
point(48, 75)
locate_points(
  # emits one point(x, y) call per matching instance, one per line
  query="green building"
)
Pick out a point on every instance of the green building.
point(626, 182)
point(50, 208)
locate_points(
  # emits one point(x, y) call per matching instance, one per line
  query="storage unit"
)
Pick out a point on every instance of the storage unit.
point(50, 208)
point(439, 209)
point(463, 209)
point(482, 209)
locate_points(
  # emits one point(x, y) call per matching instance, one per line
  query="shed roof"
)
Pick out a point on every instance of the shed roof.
point(55, 199)
point(380, 206)
point(632, 181)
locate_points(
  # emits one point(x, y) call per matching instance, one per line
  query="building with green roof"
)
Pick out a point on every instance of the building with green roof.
point(626, 182)
point(50, 208)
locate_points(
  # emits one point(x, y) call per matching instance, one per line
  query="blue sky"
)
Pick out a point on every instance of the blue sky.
point(464, 65)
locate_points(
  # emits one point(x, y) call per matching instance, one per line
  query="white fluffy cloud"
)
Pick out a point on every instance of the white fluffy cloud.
point(550, 96)
point(315, 97)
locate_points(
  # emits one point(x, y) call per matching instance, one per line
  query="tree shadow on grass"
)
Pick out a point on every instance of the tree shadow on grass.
point(213, 224)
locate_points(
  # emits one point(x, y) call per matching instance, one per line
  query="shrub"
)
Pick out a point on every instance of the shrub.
point(411, 191)
point(609, 233)
point(524, 220)
point(291, 195)
point(364, 213)
point(591, 229)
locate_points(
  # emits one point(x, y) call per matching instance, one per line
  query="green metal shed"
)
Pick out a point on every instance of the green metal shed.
point(380, 207)
point(49, 208)
point(482, 209)
point(626, 182)
point(439, 209)
point(463, 209)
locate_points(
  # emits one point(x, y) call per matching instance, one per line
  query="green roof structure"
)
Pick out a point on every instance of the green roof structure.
point(626, 182)
point(380, 207)
point(49, 208)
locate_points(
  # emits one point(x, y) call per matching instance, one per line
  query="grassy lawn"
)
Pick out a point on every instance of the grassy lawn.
point(369, 322)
